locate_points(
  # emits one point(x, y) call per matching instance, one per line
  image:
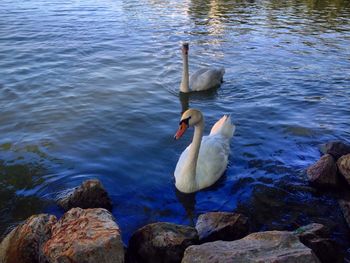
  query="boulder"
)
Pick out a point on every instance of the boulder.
point(345, 208)
point(270, 246)
point(85, 235)
point(323, 172)
point(343, 164)
point(336, 149)
point(310, 231)
point(226, 226)
point(160, 242)
point(316, 237)
point(326, 250)
point(90, 194)
point(23, 244)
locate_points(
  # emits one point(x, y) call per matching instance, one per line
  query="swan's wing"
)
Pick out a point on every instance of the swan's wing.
point(212, 159)
point(206, 78)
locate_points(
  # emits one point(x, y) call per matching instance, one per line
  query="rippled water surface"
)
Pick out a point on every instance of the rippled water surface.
point(89, 89)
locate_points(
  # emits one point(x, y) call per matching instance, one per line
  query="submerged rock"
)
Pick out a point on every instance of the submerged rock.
point(323, 172)
point(336, 149)
point(270, 246)
point(221, 226)
point(160, 242)
point(85, 235)
point(316, 237)
point(90, 194)
point(343, 164)
point(23, 244)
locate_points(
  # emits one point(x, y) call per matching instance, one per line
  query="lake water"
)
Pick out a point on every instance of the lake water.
point(89, 89)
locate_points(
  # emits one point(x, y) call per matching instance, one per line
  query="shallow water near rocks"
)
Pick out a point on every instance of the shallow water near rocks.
point(89, 89)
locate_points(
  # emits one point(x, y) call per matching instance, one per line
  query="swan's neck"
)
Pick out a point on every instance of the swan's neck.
point(184, 87)
point(194, 152)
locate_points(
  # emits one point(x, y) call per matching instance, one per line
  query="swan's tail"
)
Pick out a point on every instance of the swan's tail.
point(224, 126)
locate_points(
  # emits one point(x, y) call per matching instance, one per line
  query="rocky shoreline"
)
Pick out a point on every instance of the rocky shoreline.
point(88, 232)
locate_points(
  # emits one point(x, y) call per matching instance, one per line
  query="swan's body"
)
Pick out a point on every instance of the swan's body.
point(204, 161)
point(203, 79)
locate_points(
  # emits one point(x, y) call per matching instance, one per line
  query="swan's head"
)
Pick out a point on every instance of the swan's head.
point(185, 49)
point(189, 118)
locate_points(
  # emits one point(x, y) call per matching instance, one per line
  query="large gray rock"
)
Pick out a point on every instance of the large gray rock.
point(270, 246)
point(226, 226)
point(23, 244)
point(343, 164)
point(90, 194)
point(85, 235)
point(323, 172)
point(160, 242)
point(316, 237)
point(336, 149)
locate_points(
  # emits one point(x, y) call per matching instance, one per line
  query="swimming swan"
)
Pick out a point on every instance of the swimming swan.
point(203, 162)
point(202, 79)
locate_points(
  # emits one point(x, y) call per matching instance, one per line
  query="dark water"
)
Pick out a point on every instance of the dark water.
point(89, 89)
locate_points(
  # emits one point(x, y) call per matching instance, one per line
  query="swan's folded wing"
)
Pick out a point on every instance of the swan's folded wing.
point(206, 78)
point(212, 160)
point(224, 126)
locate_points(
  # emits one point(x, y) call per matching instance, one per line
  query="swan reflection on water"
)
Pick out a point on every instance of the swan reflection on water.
point(203, 95)
point(188, 201)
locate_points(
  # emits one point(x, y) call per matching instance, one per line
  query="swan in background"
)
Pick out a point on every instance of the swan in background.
point(202, 79)
point(204, 161)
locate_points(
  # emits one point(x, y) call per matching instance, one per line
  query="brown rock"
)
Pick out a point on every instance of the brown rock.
point(326, 250)
point(161, 242)
point(85, 235)
point(221, 226)
point(90, 194)
point(343, 164)
point(311, 231)
point(23, 244)
point(345, 208)
point(336, 149)
point(270, 246)
point(323, 172)
point(316, 237)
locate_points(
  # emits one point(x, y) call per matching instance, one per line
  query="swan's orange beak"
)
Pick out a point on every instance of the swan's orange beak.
point(180, 131)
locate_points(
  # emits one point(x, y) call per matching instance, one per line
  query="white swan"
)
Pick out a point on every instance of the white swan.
point(203, 79)
point(205, 159)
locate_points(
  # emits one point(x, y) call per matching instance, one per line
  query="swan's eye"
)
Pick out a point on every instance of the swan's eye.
point(186, 121)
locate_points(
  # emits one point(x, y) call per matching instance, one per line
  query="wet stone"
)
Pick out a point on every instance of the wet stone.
point(227, 226)
point(90, 194)
point(160, 242)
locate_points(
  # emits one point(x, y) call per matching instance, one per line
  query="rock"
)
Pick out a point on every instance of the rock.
point(326, 250)
point(323, 172)
point(336, 149)
point(345, 208)
point(161, 242)
point(221, 226)
point(90, 194)
point(311, 231)
point(85, 235)
point(343, 164)
point(270, 246)
point(316, 237)
point(23, 244)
